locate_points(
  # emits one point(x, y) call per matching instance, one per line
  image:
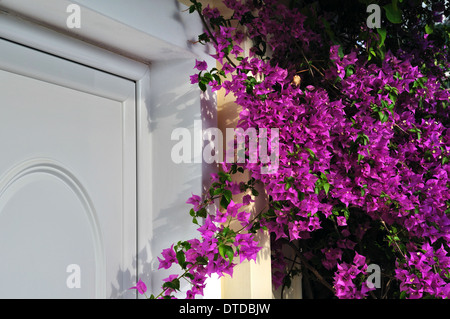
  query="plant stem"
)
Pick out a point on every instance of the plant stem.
point(208, 30)
point(179, 277)
point(309, 267)
point(253, 219)
point(394, 240)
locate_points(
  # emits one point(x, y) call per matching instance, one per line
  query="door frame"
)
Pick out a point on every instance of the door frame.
point(54, 40)
point(12, 43)
point(53, 43)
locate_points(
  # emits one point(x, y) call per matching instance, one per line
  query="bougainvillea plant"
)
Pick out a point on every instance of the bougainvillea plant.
point(364, 148)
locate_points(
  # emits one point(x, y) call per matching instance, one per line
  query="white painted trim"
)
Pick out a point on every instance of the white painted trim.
point(144, 30)
point(38, 37)
point(129, 192)
point(31, 63)
point(144, 142)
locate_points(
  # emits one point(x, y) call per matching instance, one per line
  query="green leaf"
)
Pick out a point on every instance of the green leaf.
point(181, 259)
point(346, 213)
point(384, 117)
point(312, 154)
point(341, 52)
point(174, 284)
point(382, 32)
point(228, 49)
point(226, 252)
point(226, 230)
point(201, 260)
point(228, 194)
point(326, 187)
point(224, 202)
point(349, 70)
point(192, 8)
point(429, 29)
point(217, 78)
point(203, 38)
point(202, 86)
point(207, 77)
point(202, 212)
point(393, 13)
point(190, 276)
point(317, 188)
point(224, 177)
point(360, 158)
point(287, 186)
point(198, 5)
point(393, 98)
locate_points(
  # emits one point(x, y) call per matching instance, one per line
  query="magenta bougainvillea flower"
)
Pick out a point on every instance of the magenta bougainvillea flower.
point(195, 200)
point(140, 287)
point(201, 65)
point(364, 150)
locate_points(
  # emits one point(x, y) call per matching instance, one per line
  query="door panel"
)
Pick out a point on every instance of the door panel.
point(67, 178)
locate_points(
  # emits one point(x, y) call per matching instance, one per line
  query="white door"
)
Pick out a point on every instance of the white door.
point(67, 178)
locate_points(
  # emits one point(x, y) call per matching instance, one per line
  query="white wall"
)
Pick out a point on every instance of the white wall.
point(162, 19)
point(174, 104)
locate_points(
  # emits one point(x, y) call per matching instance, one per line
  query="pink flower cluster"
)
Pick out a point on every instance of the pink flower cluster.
point(364, 157)
point(378, 146)
point(213, 252)
point(348, 276)
point(418, 274)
